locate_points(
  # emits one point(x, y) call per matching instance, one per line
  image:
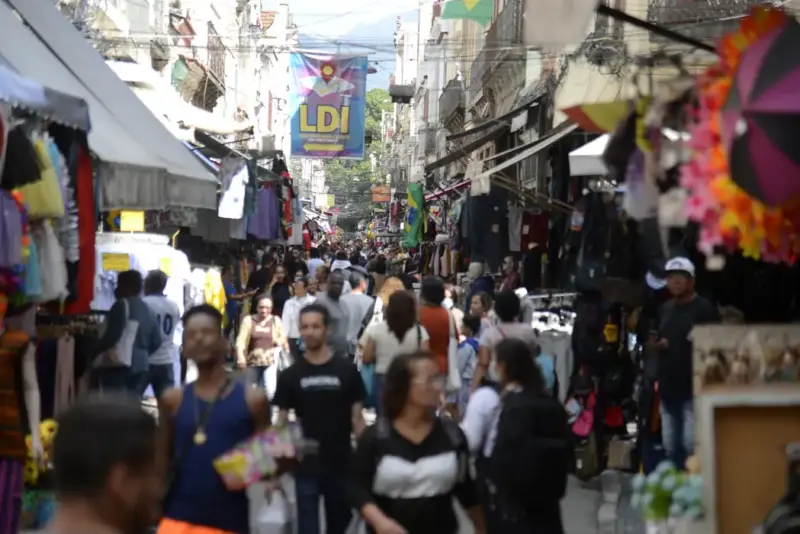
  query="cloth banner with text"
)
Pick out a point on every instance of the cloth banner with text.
point(327, 102)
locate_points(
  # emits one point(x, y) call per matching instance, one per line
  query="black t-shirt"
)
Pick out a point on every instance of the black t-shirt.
point(413, 483)
point(675, 323)
point(322, 397)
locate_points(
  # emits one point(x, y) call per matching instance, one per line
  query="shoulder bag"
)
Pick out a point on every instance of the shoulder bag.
point(453, 375)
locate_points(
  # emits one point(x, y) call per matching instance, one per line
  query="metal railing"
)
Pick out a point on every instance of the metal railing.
point(704, 20)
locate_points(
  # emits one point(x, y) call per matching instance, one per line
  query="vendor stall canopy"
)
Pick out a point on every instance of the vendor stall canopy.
point(141, 164)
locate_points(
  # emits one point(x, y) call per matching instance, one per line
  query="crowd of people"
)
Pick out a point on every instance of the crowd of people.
point(496, 441)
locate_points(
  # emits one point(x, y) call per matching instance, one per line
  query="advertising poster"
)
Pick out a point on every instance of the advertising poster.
point(327, 99)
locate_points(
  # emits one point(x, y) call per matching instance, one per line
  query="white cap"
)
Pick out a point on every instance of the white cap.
point(680, 264)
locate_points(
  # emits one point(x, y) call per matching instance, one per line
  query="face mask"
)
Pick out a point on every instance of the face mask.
point(447, 303)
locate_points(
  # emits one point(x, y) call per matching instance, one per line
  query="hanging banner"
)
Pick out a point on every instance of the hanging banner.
point(381, 193)
point(328, 105)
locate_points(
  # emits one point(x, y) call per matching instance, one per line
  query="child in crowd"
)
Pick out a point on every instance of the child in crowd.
point(467, 357)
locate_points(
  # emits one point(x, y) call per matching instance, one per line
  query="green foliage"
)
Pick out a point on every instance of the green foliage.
point(342, 175)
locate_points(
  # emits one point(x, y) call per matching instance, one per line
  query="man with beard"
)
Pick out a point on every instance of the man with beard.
point(338, 313)
point(108, 478)
point(326, 393)
point(200, 422)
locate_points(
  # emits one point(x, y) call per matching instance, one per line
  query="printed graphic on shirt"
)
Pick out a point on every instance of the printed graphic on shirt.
point(399, 478)
point(320, 382)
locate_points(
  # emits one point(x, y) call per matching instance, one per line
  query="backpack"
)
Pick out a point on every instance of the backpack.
point(533, 451)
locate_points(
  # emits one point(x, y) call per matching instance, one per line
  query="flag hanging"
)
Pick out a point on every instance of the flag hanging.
point(480, 11)
point(327, 103)
point(415, 216)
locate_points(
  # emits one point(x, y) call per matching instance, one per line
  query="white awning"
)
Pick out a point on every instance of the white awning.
point(588, 159)
point(123, 129)
point(532, 149)
point(164, 101)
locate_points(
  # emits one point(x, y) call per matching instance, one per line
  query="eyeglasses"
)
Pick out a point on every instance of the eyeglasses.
point(437, 381)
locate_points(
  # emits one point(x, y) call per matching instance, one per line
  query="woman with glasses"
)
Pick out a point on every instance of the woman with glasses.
point(259, 343)
point(410, 466)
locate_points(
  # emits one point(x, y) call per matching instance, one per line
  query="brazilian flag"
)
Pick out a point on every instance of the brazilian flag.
point(415, 216)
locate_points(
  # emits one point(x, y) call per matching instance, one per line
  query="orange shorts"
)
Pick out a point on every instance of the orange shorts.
point(171, 526)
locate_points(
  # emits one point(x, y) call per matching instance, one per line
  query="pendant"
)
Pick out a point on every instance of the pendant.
point(199, 437)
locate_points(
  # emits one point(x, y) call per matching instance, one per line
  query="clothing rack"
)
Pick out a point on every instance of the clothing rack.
point(54, 326)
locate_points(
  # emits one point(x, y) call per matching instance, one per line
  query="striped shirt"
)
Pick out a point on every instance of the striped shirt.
point(12, 436)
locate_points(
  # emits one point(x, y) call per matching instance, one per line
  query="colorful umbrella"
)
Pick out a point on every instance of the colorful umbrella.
point(600, 117)
point(761, 118)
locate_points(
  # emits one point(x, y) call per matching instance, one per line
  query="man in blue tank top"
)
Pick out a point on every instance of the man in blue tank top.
point(326, 393)
point(200, 422)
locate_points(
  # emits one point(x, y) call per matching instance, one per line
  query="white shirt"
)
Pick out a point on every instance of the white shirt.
point(168, 317)
point(313, 265)
point(340, 264)
point(480, 420)
point(388, 347)
point(291, 315)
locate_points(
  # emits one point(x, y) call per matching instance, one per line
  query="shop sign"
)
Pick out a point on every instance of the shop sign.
point(327, 102)
point(165, 266)
point(131, 221)
point(115, 262)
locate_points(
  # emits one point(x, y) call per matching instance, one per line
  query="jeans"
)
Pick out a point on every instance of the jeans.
point(264, 377)
point(161, 377)
point(377, 388)
point(331, 487)
point(677, 430)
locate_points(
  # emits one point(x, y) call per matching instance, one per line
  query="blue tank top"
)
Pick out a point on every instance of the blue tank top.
point(199, 496)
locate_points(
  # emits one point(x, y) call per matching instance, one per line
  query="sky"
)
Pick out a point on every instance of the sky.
point(335, 18)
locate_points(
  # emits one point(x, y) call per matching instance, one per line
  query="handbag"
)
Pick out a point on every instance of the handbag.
point(202, 421)
point(122, 353)
point(453, 375)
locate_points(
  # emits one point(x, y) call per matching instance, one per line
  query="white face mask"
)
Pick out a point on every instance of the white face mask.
point(447, 303)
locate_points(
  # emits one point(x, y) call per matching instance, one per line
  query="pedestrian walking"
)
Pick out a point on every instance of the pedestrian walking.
point(338, 313)
point(161, 371)
point(200, 422)
point(326, 394)
point(107, 476)
point(410, 465)
point(520, 435)
point(291, 315)
point(259, 343)
point(399, 333)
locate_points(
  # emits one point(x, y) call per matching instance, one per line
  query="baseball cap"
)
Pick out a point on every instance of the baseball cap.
point(680, 264)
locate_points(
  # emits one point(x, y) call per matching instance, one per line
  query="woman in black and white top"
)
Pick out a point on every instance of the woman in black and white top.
point(410, 465)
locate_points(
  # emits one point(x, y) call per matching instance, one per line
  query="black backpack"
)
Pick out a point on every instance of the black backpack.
point(533, 454)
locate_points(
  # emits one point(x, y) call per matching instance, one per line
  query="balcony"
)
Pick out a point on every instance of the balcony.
point(452, 101)
point(503, 45)
point(704, 20)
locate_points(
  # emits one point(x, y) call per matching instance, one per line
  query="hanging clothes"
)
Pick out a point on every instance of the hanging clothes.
point(265, 224)
point(233, 175)
point(514, 228)
point(52, 265)
point(10, 231)
point(81, 162)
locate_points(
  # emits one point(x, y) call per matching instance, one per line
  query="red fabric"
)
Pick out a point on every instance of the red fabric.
point(534, 230)
point(84, 196)
point(306, 237)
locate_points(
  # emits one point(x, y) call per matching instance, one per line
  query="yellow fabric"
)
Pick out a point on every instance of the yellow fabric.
point(214, 292)
point(43, 197)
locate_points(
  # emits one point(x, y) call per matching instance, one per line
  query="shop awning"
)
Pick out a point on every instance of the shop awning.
point(588, 159)
point(442, 192)
point(531, 149)
point(466, 149)
point(159, 171)
point(48, 103)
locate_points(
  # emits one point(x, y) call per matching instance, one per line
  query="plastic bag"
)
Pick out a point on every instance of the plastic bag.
point(276, 515)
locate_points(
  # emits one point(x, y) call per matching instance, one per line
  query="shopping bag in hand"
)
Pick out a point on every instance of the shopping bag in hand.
point(276, 515)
